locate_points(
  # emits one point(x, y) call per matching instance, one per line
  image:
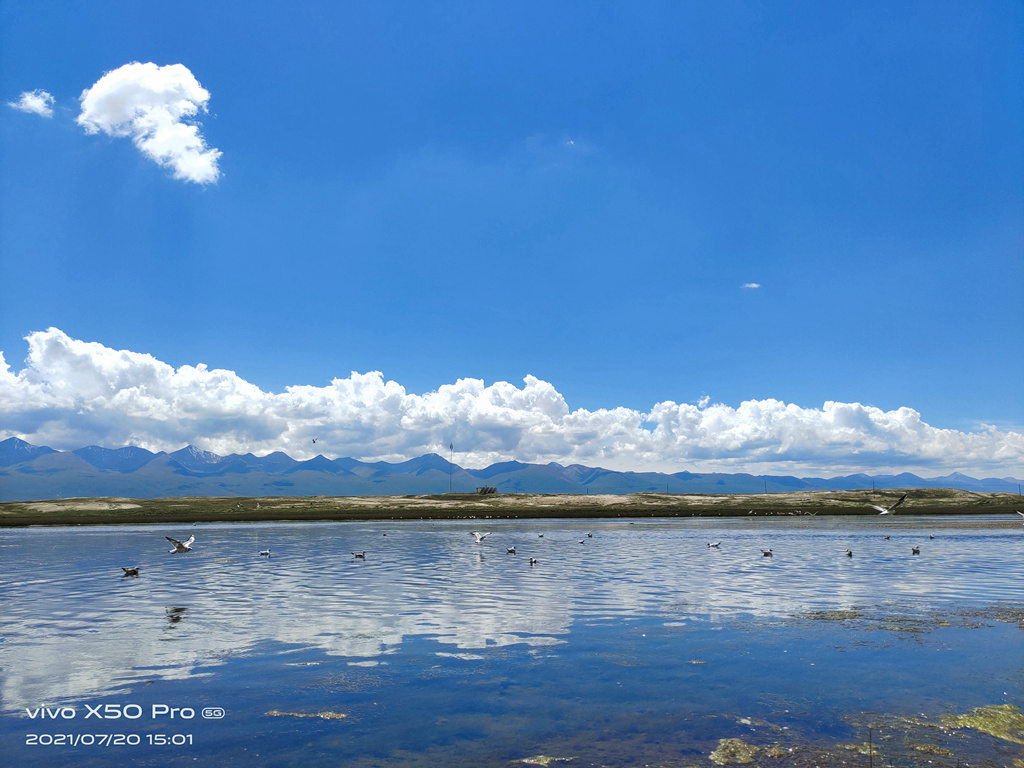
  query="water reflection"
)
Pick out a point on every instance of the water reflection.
point(74, 628)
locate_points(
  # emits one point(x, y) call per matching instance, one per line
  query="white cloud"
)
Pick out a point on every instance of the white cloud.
point(36, 102)
point(156, 107)
point(73, 393)
point(751, 285)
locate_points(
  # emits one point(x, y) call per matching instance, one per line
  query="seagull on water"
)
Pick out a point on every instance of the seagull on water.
point(133, 571)
point(714, 544)
point(766, 553)
point(890, 509)
point(359, 555)
point(180, 546)
point(510, 550)
point(533, 561)
point(480, 536)
point(265, 552)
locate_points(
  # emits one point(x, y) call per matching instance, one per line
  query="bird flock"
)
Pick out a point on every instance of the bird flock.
point(182, 547)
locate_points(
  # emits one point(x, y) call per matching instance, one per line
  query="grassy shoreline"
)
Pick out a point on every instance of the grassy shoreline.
point(454, 506)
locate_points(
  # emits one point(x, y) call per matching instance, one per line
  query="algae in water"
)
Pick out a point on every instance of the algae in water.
point(544, 760)
point(733, 752)
point(1004, 721)
point(325, 715)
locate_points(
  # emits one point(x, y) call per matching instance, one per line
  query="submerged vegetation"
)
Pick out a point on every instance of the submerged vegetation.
point(1004, 721)
point(733, 752)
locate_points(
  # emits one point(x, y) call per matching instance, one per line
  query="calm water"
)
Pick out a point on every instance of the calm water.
point(639, 646)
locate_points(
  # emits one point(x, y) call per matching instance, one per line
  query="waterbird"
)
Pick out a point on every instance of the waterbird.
point(510, 550)
point(890, 509)
point(533, 561)
point(180, 546)
point(766, 553)
point(886, 538)
point(480, 536)
point(540, 535)
point(849, 553)
point(265, 552)
point(915, 551)
point(1019, 512)
point(133, 571)
point(359, 555)
point(714, 544)
point(590, 535)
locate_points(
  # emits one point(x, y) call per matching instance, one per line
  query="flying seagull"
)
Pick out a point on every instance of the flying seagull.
point(133, 571)
point(1019, 512)
point(890, 509)
point(480, 536)
point(180, 546)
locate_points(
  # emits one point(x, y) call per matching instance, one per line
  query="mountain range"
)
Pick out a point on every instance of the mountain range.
point(29, 472)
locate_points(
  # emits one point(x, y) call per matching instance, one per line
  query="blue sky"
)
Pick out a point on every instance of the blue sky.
point(577, 192)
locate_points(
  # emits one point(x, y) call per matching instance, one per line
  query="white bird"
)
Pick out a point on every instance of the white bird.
point(265, 552)
point(715, 545)
point(890, 509)
point(510, 550)
point(1019, 512)
point(360, 555)
point(533, 561)
point(133, 571)
point(480, 536)
point(180, 546)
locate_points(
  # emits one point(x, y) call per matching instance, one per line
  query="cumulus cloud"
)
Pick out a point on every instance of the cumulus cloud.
point(36, 102)
point(155, 107)
point(73, 393)
point(751, 285)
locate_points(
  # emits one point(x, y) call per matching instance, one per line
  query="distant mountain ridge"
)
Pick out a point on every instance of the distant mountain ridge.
point(29, 472)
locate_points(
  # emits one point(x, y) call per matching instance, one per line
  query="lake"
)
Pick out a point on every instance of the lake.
point(628, 643)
